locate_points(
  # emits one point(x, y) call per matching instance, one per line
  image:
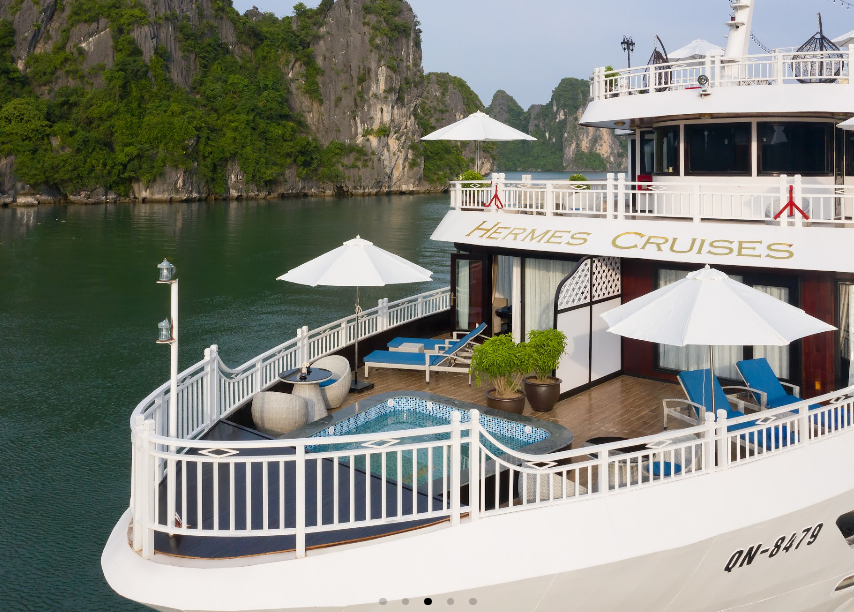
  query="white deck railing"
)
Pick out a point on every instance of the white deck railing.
point(777, 68)
point(289, 478)
point(619, 199)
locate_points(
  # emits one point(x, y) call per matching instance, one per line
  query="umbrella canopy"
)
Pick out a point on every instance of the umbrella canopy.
point(479, 127)
point(709, 308)
point(844, 40)
point(847, 125)
point(696, 49)
point(358, 263)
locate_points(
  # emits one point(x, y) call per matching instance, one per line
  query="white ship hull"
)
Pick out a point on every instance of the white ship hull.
point(655, 548)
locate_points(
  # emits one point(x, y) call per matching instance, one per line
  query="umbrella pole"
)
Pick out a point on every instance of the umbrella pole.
point(712, 377)
point(356, 386)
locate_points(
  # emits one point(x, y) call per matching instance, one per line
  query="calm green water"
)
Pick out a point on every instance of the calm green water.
point(78, 318)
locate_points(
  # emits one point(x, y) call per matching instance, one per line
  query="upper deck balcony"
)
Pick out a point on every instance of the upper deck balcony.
point(685, 220)
point(771, 84)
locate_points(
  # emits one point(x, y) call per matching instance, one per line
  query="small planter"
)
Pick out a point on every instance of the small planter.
point(516, 405)
point(542, 395)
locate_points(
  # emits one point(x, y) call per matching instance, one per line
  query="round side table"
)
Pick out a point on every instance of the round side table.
point(309, 388)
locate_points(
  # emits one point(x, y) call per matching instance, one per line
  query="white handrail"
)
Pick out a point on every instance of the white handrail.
point(776, 68)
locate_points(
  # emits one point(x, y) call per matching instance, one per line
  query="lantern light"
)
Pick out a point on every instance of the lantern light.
point(164, 332)
point(166, 272)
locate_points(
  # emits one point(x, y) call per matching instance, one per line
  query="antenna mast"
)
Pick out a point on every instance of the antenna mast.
point(740, 25)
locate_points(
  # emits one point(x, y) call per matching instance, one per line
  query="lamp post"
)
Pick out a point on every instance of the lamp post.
point(167, 333)
point(628, 46)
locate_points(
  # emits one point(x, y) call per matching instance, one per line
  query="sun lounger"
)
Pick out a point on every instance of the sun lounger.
point(447, 360)
point(757, 373)
point(695, 383)
point(436, 346)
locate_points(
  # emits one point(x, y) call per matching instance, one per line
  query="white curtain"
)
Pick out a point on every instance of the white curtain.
point(846, 325)
point(542, 276)
point(683, 358)
point(777, 356)
point(504, 277)
point(463, 289)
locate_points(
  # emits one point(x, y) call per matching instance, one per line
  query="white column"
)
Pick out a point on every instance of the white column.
point(138, 491)
point(682, 149)
point(148, 482)
point(171, 475)
point(474, 465)
point(516, 301)
point(213, 385)
point(455, 467)
point(754, 148)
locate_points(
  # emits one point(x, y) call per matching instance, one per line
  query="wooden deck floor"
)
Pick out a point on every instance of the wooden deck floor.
point(628, 407)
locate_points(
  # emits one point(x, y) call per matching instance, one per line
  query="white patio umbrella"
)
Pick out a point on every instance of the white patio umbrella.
point(847, 125)
point(358, 263)
point(478, 127)
point(709, 308)
point(844, 40)
point(696, 49)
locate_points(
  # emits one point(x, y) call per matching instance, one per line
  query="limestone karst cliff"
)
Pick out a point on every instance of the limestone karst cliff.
point(187, 99)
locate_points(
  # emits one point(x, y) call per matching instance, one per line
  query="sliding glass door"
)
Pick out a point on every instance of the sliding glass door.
point(470, 291)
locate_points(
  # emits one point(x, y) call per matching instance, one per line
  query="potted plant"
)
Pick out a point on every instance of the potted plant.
point(544, 350)
point(504, 363)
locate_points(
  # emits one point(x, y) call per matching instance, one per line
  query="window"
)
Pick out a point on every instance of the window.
point(697, 357)
point(647, 155)
point(795, 148)
point(667, 150)
point(541, 278)
point(718, 148)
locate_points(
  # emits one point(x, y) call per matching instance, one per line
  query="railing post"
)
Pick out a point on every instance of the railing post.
point(474, 465)
point(707, 68)
point(455, 467)
point(609, 194)
point(779, 68)
point(149, 481)
point(603, 479)
point(784, 197)
point(850, 74)
point(652, 79)
point(804, 423)
point(621, 195)
point(300, 501)
point(697, 203)
point(258, 376)
point(717, 81)
point(213, 381)
point(138, 492)
point(709, 443)
point(550, 199)
point(799, 200)
point(419, 307)
point(723, 441)
point(380, 316)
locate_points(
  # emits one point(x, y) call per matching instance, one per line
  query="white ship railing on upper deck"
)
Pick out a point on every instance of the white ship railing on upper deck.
point(753, 70)
point(209, 389)
point(295, 475)
point(619, 199)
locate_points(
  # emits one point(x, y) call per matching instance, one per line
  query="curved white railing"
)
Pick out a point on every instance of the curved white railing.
point(777, 68)
point(291, 479)
point(618, 199)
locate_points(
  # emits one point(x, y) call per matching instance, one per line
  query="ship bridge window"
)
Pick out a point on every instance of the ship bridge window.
point(718, 148)
point(795, 148)
point(667, 150)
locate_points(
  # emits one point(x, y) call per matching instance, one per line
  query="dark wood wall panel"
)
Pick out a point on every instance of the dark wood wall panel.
point(819, 352)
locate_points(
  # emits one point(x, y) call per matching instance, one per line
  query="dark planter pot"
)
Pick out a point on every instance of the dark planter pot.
point(516, 405)
point(542, 396)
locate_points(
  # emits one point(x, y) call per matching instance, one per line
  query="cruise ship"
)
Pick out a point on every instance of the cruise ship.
point(413, 494)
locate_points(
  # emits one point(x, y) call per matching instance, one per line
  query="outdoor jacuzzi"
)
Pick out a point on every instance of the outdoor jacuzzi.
point(409, 411)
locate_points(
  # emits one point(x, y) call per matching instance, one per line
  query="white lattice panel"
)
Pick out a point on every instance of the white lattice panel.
point(576, 291)
point(607, 279)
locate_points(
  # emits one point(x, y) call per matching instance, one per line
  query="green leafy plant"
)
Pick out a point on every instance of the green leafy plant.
point(503, 362)
point(579, 181)
point(610, 78)
point(543, 352)
point(471, 175)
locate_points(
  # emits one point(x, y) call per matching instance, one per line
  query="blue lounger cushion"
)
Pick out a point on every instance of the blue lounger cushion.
point(669, 468)
point(429, 345)
point(398, 358)
point(758, 374)
point(328, 382)
point(696, 384)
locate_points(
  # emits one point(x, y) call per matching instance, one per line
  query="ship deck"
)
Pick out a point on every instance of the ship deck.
point(625, 406)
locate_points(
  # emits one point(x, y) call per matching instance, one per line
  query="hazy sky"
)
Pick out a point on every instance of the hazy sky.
point(526, 46)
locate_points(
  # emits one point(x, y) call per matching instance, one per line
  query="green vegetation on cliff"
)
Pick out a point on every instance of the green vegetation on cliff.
point(67, 134)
